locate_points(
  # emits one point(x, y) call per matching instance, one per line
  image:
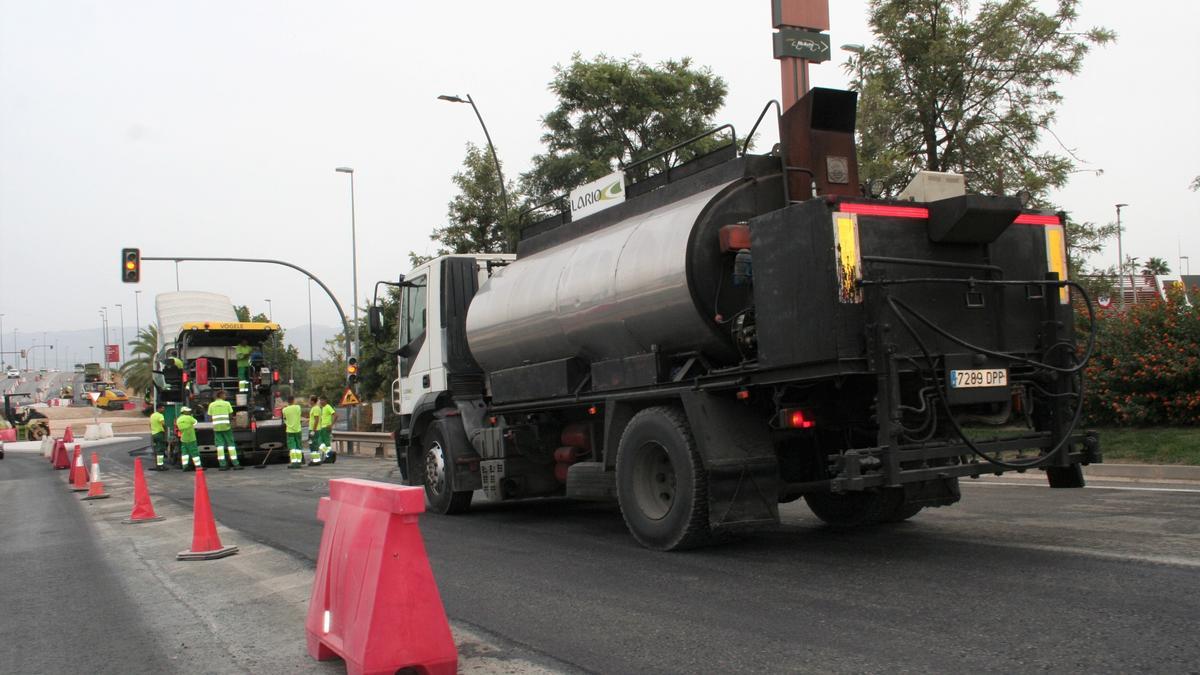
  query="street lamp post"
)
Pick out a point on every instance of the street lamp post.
point(1120, 258)
point(491, 147)
point(310, 332)
point(91, 353)
point(137, 313)
point(1, 339)
point(122, 352)
point(1182, 259)
point(354, 273)
point(270, 311)
point(353, 255)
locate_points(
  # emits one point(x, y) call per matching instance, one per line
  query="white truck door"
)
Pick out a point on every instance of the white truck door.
point(416, 339)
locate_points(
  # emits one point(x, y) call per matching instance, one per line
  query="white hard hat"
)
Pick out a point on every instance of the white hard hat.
point(185, 409)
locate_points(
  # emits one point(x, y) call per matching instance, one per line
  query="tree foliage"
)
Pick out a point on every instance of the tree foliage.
point(949, 86)
point(1156, 266)
point(137, 371)
point(612, 112)
point(477, 219)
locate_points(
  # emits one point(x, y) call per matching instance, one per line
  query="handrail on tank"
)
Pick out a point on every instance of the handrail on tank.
point(761, 115)
point(677, 146)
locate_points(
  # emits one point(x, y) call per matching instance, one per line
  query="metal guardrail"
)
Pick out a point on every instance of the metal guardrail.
point(347, 442)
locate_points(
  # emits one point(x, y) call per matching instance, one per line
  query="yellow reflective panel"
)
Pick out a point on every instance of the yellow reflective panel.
point(1056, 258)
point(849, 268)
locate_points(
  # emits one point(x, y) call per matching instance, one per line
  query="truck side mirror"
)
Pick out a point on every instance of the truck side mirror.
point(375, 321)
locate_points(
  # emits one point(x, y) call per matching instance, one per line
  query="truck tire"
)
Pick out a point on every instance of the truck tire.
point(849, 510)
point(439, 475)
point(662, 487)
point(898, 509)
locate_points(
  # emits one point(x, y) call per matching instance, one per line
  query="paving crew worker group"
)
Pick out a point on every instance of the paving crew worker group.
point(220, 412)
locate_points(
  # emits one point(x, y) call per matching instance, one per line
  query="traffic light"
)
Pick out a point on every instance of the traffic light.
point(131, 265)
point(351, 372)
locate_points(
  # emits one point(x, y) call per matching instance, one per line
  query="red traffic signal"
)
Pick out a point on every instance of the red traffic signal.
point(131, 265)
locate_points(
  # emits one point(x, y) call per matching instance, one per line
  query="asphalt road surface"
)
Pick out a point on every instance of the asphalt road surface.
point(1016, 577)
point(63, 606)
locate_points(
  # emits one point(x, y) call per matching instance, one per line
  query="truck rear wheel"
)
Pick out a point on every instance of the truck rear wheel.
point(662, 487)
point(439, 476)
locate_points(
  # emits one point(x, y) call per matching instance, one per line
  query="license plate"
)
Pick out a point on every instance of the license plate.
point(969, 379)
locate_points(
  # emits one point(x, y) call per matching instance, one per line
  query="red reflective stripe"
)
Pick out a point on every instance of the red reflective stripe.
point(884, 210)
point(1036, 219)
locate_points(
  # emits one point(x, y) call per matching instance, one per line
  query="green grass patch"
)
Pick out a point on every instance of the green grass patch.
point(1151, 445)
point(1124, 445)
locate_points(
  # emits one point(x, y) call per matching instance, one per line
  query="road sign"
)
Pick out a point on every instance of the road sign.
point(349, 398)
point(112, 353)
point(802, 44)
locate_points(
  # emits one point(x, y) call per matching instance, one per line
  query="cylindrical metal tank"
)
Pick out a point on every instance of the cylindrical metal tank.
point(649, 281)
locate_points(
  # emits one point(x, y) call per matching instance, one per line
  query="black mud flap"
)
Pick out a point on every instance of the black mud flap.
point(1065, 476)
point(739, 457)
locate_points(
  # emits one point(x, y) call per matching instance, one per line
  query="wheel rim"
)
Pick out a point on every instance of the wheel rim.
point(654, 481)
point(435, 468)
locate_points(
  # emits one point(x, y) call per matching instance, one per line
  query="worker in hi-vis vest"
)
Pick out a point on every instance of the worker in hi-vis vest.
point(158, 437)
point(328, 417)
point(189, 452)
point(220, 413)
point(243, 350)
point(292, 426)
point(314, 430)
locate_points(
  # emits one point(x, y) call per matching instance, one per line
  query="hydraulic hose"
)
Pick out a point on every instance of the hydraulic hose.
point(896, 306)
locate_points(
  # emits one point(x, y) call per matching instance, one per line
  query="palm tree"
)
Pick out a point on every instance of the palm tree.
point(137, 371)
point(1156, 267)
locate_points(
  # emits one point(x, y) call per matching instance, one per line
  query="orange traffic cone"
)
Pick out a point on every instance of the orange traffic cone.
point(206, 543)
point(68, 435)
point(95, 487)
point(143, 510)
point(61, 461)
point(78, 473)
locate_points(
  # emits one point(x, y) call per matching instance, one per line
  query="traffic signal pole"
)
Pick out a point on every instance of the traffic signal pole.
point(269, 261)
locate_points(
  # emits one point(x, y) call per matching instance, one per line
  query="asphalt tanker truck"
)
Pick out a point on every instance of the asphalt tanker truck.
point(743, 330)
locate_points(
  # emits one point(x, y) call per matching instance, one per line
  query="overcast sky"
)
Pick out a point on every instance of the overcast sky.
point(213, 128)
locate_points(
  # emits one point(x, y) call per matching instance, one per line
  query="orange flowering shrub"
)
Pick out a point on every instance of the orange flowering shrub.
point(1146, 368)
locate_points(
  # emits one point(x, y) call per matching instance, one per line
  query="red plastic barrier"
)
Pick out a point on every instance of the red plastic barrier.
point(374, 600)
point(8, 435)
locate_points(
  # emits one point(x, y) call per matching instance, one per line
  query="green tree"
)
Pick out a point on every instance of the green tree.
point(969, 88)
point(1195, 186)
point(137, 370)
point(1156, 266)
point(612, 112)
point(477, 219)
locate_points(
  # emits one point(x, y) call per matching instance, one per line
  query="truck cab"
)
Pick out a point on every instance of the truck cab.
point(433, 353)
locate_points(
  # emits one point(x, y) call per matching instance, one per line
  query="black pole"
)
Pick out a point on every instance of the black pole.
point(338, 305)
point(495, 159)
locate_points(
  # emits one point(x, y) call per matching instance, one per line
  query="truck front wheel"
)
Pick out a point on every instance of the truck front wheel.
point(439, 476)
point(662, 487)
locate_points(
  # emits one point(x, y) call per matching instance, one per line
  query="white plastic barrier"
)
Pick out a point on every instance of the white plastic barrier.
point(106, 430)
point(92, 432)
point(47, 446)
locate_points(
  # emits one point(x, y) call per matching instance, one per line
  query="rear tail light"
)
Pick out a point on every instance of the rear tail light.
point(275, 375)
point(253, 425)
point(185, 378)
point(795, 418)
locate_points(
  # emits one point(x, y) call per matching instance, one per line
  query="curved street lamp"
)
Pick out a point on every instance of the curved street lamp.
point(492, 147)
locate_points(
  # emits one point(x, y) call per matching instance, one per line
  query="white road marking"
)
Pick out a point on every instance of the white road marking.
point(1092, 487)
